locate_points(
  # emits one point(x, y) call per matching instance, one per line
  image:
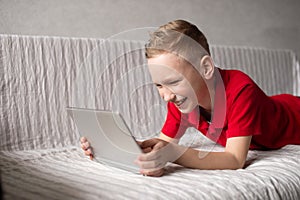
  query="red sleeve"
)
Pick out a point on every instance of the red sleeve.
point(175, 124)
point(245, 115)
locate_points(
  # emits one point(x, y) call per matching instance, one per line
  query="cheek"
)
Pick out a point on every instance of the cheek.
point(160, 93)
point(198, 87)
point(184, 89)
point(178, 89)
point(192, 92)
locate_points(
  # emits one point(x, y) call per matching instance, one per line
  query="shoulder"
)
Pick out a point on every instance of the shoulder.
point(239, 84)
point(244, 98)
point(235, 78)
point(246, 104)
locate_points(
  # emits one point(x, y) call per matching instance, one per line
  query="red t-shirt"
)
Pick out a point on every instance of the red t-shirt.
point(241, 108)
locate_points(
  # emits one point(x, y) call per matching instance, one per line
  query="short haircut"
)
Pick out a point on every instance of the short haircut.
point(179, 37)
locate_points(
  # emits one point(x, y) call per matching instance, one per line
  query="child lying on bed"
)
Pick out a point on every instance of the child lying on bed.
point(225, 105)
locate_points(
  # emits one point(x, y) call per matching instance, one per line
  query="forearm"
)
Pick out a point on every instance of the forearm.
point(161, 151)
point(192, 158)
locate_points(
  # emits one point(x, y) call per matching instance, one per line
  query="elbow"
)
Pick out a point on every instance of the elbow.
point(238, 164)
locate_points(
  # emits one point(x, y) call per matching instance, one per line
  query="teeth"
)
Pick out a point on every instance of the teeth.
point(181, 101)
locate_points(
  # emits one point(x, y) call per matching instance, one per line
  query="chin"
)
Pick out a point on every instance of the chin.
point(185, 111)
point(188, 108)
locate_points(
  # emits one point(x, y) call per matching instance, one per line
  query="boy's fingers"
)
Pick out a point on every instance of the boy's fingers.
point(88, 151)
point(83, 139)
point(154, 143)
point(150, 165)
point(147, 150)
point(153, 172)
point(91, 156)
point(159, 145)
point(85, 145)
point(157, 173)
point(153, 155)
point(149, 143)
point(153, 146)
point(151, 149)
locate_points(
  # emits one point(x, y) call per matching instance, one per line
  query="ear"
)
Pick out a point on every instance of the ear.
point(207, 67)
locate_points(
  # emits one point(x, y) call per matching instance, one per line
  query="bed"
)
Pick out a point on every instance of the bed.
point(40, 156)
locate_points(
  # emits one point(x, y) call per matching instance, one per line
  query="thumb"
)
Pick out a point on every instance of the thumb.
point(149, 143)
point(160, 144)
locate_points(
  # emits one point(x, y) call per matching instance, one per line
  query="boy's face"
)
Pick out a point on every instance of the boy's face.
point(178, 81)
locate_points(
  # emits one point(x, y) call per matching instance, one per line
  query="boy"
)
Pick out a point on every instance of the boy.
point(225, 105)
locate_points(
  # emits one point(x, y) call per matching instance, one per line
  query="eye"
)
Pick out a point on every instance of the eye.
point(158, 85)
point(174, 82)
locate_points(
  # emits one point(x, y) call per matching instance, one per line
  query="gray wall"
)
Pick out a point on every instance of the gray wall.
point(260, 23)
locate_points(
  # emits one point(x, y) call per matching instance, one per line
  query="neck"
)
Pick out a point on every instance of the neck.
point(211, 90)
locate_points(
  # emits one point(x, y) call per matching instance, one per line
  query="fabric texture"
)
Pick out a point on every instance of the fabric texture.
point(41, 76)
point(275, 71)
point(65, 173)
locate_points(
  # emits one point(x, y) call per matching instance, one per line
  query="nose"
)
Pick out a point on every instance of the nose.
point(167, 94)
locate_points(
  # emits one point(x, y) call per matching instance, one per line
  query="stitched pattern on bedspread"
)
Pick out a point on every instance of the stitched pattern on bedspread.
point(42, 76)
point(66, 173)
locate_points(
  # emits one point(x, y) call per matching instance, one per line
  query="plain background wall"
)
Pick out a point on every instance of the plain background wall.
point(260, 23)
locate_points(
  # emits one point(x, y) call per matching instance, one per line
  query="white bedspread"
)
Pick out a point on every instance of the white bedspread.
point(65, 173)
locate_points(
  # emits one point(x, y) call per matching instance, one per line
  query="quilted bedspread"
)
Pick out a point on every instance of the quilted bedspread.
point(65, 173)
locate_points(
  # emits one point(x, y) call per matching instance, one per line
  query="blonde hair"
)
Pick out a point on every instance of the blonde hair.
point(179, 37)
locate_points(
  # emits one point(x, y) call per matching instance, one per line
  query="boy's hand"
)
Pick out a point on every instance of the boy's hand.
point(86, 147)
point(156, 154)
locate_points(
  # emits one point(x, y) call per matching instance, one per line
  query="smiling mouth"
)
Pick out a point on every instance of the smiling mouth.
point(179, 103)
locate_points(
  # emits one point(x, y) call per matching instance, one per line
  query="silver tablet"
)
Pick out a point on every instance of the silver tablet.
point(109, 136)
